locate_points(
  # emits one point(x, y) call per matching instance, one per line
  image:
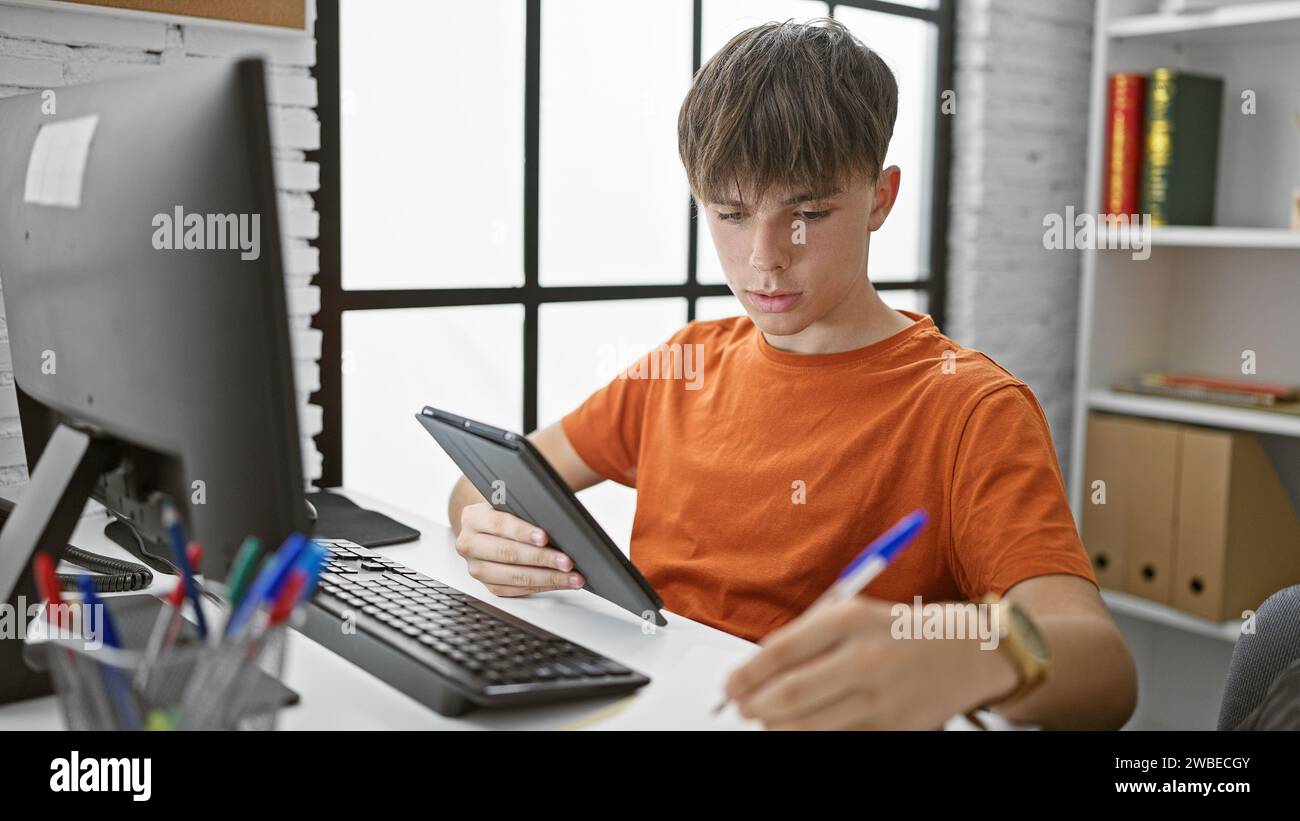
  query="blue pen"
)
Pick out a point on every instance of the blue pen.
point(267, 583)
point(172, 521)
point(874, 558)
point(868, 564)
point(311, 561)
point(115, 681)
point(91, 599)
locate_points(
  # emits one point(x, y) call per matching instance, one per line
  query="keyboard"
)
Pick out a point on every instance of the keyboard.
point(444, 648)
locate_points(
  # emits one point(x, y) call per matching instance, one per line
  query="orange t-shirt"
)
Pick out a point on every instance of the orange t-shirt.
point(761, 473)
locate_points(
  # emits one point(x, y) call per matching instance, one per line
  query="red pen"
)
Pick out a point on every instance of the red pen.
point(167, 626)
point(288, 596)
point(47, 587)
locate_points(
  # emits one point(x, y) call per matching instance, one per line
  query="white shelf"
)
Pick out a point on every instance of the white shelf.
point(1222, 236)
point(1212, 236)
point(1124, 604)
point(1247, 21)
point(1195, 413)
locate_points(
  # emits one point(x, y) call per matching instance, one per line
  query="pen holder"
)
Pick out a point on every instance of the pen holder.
point(195, 686)
point(222, 690)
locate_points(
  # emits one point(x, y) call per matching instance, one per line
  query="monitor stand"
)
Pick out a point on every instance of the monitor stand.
point(43, 519)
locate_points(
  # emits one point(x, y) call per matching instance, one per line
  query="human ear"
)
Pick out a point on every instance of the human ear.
point(885, 195)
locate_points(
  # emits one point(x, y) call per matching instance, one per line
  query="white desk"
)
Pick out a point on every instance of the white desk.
point(338, 695)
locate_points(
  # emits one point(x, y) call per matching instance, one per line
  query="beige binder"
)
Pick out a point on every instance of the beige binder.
point(1238, 537)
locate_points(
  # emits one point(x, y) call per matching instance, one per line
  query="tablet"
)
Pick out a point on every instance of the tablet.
point(513, 476)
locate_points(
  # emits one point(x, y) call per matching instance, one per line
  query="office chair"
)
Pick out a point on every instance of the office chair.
point(1259, 658)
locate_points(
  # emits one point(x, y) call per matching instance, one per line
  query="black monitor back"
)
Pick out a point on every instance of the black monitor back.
point(181, 357)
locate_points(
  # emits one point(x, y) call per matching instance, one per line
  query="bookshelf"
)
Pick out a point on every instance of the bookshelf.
point(1239, 23)
point(1194, 413)
point(1206, 294)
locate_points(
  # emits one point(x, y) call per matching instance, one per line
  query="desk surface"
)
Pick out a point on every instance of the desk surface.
point(339, 695)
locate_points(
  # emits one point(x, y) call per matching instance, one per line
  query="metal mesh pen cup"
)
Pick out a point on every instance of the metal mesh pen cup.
point(102, 688)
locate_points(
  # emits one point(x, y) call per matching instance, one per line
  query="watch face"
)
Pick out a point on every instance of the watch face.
point(1033, 641)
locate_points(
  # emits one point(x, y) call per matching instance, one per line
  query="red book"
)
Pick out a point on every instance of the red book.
point(1219, 383)
point(1125, 110)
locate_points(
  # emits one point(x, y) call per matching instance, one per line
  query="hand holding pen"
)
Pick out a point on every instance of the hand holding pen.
point(868, 564)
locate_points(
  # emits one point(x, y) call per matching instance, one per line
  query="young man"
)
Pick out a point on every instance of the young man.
point(815, 423)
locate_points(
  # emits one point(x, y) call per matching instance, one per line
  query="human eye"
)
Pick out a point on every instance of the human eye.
point(730, 216)
point(814, 215)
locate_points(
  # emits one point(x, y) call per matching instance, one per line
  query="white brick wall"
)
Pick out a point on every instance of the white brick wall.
point(1019, 152)
point(42, 49)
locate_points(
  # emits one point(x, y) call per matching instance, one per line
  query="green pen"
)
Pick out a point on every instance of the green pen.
point(243, 569)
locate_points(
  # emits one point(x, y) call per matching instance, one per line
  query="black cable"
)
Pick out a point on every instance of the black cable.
point(117, 576)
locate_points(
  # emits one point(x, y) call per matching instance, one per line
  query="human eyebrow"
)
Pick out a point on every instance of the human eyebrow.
point(809, 196)
point(728, 202)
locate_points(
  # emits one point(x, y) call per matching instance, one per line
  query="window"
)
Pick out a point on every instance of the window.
point(480, 162)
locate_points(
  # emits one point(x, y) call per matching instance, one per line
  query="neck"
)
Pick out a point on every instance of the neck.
point(860, 320)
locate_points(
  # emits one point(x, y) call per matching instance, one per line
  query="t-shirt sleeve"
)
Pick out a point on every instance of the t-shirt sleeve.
point(605, 429)
point(1010, 517)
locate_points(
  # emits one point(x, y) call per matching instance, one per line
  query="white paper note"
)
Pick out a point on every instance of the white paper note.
point(57, 165)
point(684, 697)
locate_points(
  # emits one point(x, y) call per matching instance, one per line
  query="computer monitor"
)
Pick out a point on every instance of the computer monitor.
point(145, 300)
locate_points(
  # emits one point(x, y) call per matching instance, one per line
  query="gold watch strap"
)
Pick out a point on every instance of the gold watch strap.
point(1031, 673)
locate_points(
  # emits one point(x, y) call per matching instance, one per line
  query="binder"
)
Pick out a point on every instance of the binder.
point(1130, 538)
point(1238, 533)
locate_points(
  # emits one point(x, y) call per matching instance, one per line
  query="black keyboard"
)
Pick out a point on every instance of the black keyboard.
point(442, 647)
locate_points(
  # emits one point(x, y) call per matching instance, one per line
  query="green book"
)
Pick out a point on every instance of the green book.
point(1181, 147)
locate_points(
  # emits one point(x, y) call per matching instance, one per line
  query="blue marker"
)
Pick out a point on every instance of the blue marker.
point(91, 599)
point(267, 584)
point(115, 681)
point(172, 522)
point(311, 561)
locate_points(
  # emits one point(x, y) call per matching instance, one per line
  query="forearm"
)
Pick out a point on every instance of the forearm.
point(462, 494)
point(1092, 684)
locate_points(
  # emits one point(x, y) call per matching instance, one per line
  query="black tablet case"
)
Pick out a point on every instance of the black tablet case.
point(536, 494)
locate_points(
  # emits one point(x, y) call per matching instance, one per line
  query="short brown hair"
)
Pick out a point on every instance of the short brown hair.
point(789, 105)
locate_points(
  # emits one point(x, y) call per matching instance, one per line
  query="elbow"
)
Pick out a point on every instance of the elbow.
point(1125, 683)
point(1115, 687)
point(1098, 689)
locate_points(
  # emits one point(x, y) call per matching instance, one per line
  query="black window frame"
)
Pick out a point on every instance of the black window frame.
point(532, 295)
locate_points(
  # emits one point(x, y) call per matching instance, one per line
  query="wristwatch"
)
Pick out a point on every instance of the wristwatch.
point(1021, 643)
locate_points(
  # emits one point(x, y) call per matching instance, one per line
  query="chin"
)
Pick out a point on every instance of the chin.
point(786, 324)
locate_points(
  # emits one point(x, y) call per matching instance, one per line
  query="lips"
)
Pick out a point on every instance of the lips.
point(775, 302)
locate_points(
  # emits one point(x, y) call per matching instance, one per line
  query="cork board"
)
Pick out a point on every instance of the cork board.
point(286, 14)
